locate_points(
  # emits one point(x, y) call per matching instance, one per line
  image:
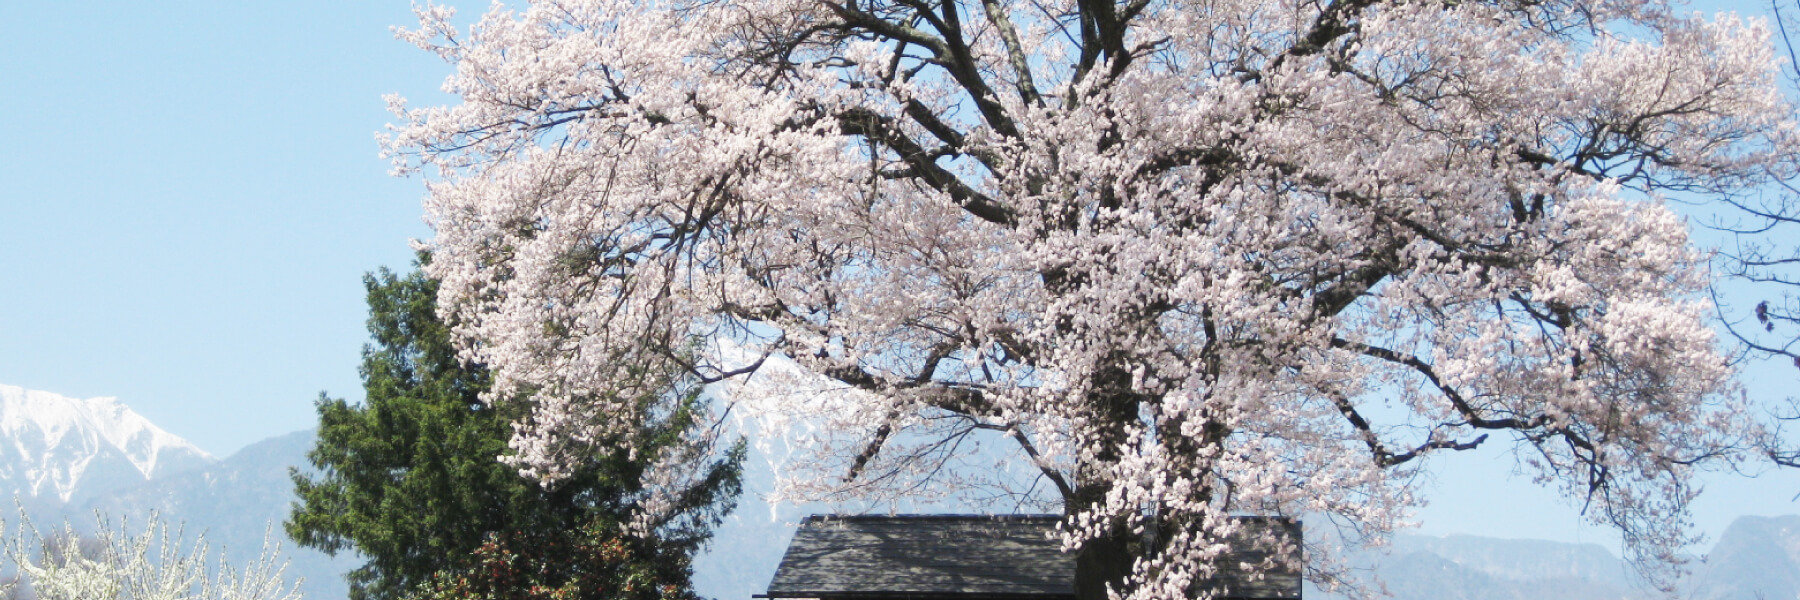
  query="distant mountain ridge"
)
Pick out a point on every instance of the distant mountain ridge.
point(236, 502)
point(56, 449)
point(1757, 558)
point(1466, 567)
point(69, 457)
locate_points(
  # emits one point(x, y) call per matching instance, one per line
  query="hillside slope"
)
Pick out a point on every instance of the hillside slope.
point(235, 503)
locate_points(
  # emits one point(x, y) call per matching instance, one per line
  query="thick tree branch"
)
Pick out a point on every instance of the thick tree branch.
point(883, 130)
point(1015, 50)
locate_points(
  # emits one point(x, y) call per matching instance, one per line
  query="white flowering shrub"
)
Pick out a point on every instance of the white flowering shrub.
point(155, 563)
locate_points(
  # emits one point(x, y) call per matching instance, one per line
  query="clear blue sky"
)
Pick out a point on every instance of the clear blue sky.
point(190, 193)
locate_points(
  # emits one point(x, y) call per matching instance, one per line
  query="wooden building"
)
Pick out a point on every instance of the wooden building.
point(967, 557)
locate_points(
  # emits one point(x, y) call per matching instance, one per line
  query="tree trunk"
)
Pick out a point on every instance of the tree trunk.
point(1102, 562)
point(1107, 560)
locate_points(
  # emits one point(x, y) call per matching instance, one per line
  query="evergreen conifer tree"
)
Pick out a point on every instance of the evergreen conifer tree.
point(410, 479)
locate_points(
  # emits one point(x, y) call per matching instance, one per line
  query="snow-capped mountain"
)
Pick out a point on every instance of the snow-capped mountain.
point(68, 458)
point(60, 450)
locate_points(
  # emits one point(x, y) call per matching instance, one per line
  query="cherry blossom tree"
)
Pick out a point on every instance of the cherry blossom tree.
point(1758, 291)
point(1189, 258)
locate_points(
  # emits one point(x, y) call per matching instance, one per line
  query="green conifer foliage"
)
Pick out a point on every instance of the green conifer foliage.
point(410, 479)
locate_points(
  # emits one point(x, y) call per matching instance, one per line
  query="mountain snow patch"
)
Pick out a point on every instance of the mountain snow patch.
point(61, 448)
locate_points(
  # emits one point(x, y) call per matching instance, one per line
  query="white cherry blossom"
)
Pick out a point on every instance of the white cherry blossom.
point(1176, 253)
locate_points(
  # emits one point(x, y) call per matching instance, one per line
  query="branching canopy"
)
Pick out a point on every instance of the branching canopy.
point(1194, 257)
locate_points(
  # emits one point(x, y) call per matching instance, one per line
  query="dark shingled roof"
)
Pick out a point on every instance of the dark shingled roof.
point(965, 557)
